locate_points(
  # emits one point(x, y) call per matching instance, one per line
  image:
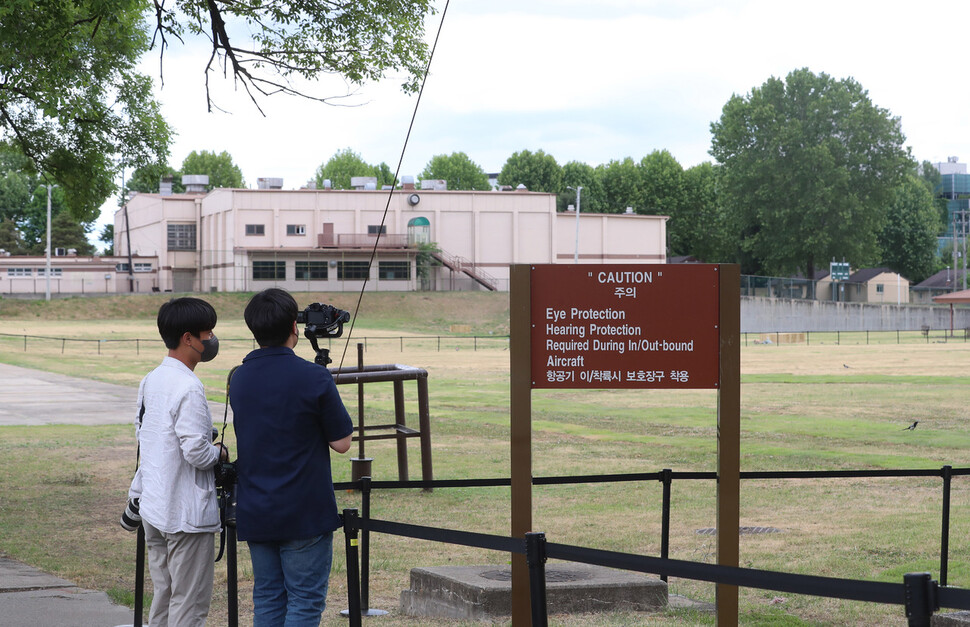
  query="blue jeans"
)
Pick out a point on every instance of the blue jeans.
point(290, 581)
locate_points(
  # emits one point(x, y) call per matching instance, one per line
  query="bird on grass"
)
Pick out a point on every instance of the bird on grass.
point(845, 365)
point(912, 426)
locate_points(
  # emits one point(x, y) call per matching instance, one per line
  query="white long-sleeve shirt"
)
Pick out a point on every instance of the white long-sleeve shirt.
point(175, 480)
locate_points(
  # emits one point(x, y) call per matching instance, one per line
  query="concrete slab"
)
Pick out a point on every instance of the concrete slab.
point(31, 598)
point(485, 592)
point(951, 619)
point(34, 397)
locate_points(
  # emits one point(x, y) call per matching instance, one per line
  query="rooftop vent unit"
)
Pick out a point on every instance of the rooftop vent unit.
point(165, 186)
point(327, 184)
point(363, 182)
point(407, 182)
point(195, 183)
point(629, 211)
point(438, 185)
point(269, 183)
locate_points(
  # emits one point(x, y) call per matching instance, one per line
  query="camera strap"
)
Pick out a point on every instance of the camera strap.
point(222, 438)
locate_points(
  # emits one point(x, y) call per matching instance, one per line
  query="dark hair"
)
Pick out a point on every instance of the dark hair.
point(184, 314)
point(270, 315)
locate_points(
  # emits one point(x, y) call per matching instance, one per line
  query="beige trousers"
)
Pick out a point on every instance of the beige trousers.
point(182, 567)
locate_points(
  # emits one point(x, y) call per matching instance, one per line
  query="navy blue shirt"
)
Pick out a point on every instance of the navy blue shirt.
point(286, 411)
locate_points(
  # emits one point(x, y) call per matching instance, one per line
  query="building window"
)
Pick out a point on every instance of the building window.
point(296, 229)
point(181, 237)
point(394, 270)
point(269, 270)
point(55, 272)
point(311, 270)
point(255, 229)
point(353, 270)
point(17, 272)
point(377, 229)
point(142, 267)
point(121, 267)
point(880, 288)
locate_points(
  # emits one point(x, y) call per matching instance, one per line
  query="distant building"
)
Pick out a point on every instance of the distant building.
point(955, 188)
point(324, 239)
point(943, 282)
point(73, 274)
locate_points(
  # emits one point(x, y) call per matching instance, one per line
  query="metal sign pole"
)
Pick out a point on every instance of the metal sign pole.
point(520, 299)
point(729, 437)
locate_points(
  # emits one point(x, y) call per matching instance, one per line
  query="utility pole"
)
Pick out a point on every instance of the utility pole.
point(47, 291)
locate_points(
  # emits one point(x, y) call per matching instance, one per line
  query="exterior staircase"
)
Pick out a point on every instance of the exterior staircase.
point(465, 266)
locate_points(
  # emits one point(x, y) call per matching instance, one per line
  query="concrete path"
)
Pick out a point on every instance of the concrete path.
point(29, 597)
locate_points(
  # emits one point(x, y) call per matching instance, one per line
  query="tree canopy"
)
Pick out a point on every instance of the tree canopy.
point(220, 169)
point(908, 239)
point(458, 170)
point(73, 103)
point(71, 100)
point(808, 168)
point(346, 164)
point(538, 171)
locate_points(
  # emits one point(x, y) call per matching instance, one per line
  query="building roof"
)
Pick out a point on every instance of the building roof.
point(943, 279)
point(864, 275)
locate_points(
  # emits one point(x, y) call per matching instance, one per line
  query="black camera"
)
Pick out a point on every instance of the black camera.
point(322, 321)
point(130, 518)
point(226, 491)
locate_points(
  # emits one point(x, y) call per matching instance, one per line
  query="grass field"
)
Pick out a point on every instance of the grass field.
point(804, 407)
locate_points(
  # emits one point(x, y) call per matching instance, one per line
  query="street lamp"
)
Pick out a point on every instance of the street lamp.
point(579, 189)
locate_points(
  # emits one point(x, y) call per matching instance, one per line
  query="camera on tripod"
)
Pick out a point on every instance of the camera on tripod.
point(322, 321)
point(226, 491)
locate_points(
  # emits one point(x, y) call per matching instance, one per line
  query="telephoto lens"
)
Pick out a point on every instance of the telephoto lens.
point(130, 518)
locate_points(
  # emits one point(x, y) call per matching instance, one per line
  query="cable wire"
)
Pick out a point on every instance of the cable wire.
point(390, 193)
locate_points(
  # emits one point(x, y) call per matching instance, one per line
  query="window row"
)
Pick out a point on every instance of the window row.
point(139, 267)
point(300, 229)
point(320, 270)
point(24, 272)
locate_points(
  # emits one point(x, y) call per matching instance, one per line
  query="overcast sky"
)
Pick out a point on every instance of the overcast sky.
point(589, 81)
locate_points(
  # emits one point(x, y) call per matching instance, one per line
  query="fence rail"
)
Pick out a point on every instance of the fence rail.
point(435, 343)
point(919, 593)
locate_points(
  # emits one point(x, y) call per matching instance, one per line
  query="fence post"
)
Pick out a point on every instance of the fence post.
point(351, 527)
point(665, 478)
point(535, 555)
point(139, 577)
point(365, 491)
point(945, 532)
point(921, 599)
point(232, 580)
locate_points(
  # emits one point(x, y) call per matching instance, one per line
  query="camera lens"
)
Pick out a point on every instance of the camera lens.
point(130, 518)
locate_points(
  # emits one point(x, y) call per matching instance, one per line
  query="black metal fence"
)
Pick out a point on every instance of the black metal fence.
point(919, 593)
point(435, 343)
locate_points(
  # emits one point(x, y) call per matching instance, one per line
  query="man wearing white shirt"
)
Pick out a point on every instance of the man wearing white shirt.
point(175, 480)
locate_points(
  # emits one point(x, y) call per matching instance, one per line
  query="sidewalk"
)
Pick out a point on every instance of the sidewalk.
point(29, 597)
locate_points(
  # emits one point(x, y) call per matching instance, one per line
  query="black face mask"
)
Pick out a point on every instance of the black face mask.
point(210, 348)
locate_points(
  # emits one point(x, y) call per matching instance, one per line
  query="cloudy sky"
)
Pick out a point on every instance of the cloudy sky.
point(591, 81)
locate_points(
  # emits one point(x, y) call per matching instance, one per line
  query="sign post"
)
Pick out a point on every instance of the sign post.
point(626, 326)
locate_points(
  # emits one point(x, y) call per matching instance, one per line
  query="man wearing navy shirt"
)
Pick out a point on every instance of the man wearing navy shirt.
point(287, 415)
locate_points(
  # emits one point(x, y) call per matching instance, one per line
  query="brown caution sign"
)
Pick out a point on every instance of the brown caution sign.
point(625, 326)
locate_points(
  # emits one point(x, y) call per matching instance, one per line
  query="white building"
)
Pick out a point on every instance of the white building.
point(324, 240)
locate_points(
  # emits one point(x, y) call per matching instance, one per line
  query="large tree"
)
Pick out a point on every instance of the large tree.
point(220, 169)
point(908, 240)
point(537, 170)
point(663, 192)
point(621, 184)
point(71, 100)
point(458, 170)
point(705, 232)
point(73, 103)
point(577, 174)
point(346, 164)
point(809, 165)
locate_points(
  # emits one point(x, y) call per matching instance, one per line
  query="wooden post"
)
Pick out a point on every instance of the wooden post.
point(520, 299)
point(729, 438)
